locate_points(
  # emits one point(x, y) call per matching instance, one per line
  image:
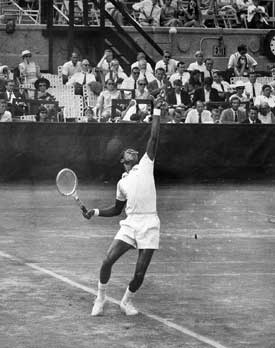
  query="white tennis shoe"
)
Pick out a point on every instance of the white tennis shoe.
point(128, 308)
point(98, 307)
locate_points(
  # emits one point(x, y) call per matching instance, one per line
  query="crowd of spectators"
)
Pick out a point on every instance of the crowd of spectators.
point(197, 93)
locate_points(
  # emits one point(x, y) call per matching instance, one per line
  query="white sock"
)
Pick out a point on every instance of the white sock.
point(101, 291)
point(127, 296)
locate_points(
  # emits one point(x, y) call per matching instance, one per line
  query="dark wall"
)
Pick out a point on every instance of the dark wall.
point(36, 151)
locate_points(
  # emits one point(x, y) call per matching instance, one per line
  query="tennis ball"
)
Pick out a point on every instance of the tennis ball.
point(173, 30)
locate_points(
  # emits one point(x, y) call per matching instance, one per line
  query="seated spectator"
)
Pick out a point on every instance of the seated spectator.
point(240, 94)
point(84, 77)
point(131, 83)
point(190, 17)
point(252, 116)
point(71, 67)
point(252, 87)
point(177, 97)
point(227, 8)
point(42, 115)
point(241, 62)
point(114, 12)
point(115, 73)
point(265, 97)
point(265, 115)
point(176, 117)
point(257, 16)
point(141, 56)
point(206, 93)
point(4, 77)
point(241, 7)
point(5, 116)
point(42, 85)
point(29, 70)
point(15, 98)
point(104, 101)
point(159, 86)
point(208, 72)
point(221, 86)
point(141, 92)
point(180, 74)
point(149, 12)
point(167, 63)
point(168, 15)
point(233, 114)
point(144, 74)
point(216, 114)
point(199, 114)
point(198, 64)
point(195, 82)
point(104, 64)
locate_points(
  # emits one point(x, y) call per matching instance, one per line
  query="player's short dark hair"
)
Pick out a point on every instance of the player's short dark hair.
point(242, 48)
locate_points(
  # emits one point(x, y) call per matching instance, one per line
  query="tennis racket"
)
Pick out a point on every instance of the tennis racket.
point(66, 182)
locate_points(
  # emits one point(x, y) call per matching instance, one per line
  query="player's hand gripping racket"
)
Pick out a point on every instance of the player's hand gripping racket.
point(66, 182)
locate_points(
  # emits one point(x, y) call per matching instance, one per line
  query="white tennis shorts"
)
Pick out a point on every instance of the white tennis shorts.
point(140, 230)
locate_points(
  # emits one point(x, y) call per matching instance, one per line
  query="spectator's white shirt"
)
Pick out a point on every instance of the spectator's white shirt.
point(128, 83)
point(104, 101)
point(146, 10)
point(261, 99)
point(6, 117)
point(196, 66)
point(148, 67)
point(242, 5)
point(221, 87)
point(79, 78)
point(69, 68)
point(169, 68)
point(105, 65)
point(233, 60)
point(267, 119)
point(251, 12)
point(176, 76)
point(193, 117)
point(147, 75)
point(249, 88)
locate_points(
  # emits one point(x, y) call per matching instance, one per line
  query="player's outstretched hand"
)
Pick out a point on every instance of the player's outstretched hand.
point(88, 214)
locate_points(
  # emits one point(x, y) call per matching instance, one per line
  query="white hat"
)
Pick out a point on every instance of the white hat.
point(239, 83)
point(25, 53)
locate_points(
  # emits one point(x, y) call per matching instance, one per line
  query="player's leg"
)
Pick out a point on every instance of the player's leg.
point(144, 259)
point(116, 250)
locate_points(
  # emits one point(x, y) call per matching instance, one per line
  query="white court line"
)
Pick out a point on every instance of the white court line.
point(259, 213)
point(161, 320)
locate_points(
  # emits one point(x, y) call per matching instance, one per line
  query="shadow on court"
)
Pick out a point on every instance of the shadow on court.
point(213, 291)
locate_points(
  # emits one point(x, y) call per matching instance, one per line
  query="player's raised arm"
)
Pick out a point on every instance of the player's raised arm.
point(152, 144)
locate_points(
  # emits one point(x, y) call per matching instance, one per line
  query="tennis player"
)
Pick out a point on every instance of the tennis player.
point(140, 230)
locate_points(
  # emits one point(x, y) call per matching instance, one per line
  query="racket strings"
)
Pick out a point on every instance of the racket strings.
point(66, 182)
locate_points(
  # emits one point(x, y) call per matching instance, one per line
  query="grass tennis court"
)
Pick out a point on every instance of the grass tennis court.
point(213, 291)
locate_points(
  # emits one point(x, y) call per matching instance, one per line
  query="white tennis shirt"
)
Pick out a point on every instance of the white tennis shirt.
point(138, 188)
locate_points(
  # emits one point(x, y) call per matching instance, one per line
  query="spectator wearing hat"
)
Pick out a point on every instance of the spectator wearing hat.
point(180, 74)
point(234, 114)
point(71, 67)
point(199, 64)
point(206, 93)
point(252, 117)
point(241, 62)
point(167, 63)
point(265, 97)
point(29, 70)
point(42, 85)
point(5, 115)
point(239, 92)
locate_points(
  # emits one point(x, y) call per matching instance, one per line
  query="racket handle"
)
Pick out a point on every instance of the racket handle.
point(81, 205)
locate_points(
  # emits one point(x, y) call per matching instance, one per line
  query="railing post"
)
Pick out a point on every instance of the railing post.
point(50, 31)
point(102, 14)
point(71, 28)
point(85, 12)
